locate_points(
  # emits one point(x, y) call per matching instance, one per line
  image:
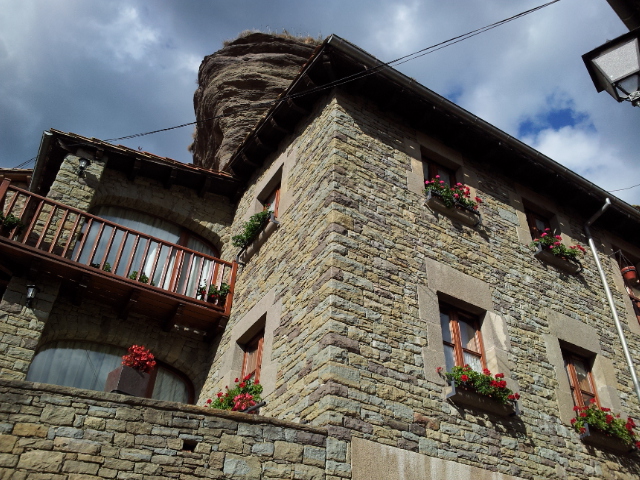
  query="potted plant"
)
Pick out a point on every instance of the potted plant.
point(597, 426)
point(245, 394)
point(551, 250)
point(220, 294)
point(454, 201)
point(136, 376)
point(630, 275)
point(251, 229)
point(481, 390)
point(9, 223)
point(201, 293)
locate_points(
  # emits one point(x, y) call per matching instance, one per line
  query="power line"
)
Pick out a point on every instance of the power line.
point(357, 76)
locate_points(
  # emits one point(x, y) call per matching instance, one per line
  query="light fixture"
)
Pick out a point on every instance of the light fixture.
point(83, 164)
point(32, 291)
point(615, 67)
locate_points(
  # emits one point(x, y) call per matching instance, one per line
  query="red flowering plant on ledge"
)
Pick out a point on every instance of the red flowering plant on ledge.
point(602, 419)
point(553, 243)
point(484, 383)
point(245, 394)
point(139, 358)
point(458, 195)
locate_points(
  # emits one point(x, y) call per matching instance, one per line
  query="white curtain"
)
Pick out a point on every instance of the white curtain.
point(86, 365)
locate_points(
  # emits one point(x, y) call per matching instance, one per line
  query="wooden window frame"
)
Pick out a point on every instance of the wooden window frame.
point(569, 360)
point(275, 193)
point(259, 338)
point(432, 167)
point(455, 317)
point(531, 222)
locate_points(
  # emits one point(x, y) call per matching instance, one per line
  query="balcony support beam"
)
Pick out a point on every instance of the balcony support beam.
point(129, 304)
point(174, 319)
point(81, 289)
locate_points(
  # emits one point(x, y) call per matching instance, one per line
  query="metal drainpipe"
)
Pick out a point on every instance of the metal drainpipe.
point(592, 245)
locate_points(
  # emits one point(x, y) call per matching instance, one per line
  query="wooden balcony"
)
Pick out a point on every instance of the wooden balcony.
point(100, 260)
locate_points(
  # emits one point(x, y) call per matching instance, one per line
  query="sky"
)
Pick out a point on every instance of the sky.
point(112, 68)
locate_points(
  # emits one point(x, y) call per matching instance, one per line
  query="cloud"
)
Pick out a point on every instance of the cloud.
point(588, 155)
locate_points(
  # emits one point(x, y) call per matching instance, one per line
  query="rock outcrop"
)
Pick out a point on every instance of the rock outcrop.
point(238, 82)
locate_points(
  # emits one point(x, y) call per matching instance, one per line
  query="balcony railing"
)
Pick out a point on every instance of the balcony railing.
point(112, 249)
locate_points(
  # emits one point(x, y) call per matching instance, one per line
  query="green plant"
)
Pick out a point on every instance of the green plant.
point(11, 222)
point(484, 383)
point(554, 244)
point(221, 292)
point(245, 394)
point(251, 229)
point(134, 275)
point(106, 267)
point(602, 419)
point(202, 291)
point(459, 194)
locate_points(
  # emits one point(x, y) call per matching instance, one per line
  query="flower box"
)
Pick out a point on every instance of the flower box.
point(570, 266)
point(598, 439)
point(471, 398)
point(462, 214)
point(129, 381)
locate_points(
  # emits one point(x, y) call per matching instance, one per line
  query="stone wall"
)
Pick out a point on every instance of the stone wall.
point(353, 348)
point(58, 433)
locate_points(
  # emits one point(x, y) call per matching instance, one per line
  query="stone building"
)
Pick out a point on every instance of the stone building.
point(353, 295)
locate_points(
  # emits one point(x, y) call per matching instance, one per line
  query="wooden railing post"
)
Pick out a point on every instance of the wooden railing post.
point(232, 284)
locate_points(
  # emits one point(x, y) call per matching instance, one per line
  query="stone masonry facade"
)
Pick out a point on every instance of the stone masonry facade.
point(359, 264)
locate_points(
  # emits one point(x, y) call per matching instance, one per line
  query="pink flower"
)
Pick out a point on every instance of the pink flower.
point(464, 378)
point(558, 237)
point(486, 371)
point(573, 420)
point(499, 375)
point(437, 176)
point(543, 234)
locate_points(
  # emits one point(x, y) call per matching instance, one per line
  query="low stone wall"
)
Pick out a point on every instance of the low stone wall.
point(59, 433)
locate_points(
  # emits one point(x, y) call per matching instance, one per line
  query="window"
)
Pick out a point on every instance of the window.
point(461, 338)
point(252, 361)
point(578, 369)
point(432, 169)
point(272, 200)
point(537, 223)
point(86, 365)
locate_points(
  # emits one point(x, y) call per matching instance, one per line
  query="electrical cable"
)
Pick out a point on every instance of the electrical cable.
point(357, 76)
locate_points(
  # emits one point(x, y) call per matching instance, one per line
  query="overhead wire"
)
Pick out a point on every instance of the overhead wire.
point(341, 81)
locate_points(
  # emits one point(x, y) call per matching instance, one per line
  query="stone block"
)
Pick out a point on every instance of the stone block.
point(71, 466)
point(30, 430)
point(290, 452)
point(231, 443)
point(41, 461)
point(57, 415)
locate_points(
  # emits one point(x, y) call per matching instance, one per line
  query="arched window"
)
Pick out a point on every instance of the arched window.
point(143, 256)
point(86, 365)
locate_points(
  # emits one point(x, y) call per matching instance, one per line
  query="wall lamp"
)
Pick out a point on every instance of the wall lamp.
point(615, 67)
point(32, 291)
point(83, 164)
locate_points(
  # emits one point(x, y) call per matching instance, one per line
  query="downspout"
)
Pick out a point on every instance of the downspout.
point(607, 290)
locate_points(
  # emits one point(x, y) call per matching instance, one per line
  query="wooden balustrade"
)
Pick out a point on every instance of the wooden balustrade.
point(113, 249)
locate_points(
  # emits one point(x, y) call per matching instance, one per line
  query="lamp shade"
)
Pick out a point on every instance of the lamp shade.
point(615, 66)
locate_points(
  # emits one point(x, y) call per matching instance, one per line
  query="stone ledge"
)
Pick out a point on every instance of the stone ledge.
point(32, 388)
point(254, 247)
point(474, 400)
point(598, 439)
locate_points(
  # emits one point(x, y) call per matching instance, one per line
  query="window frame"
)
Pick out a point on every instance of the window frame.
point(275, 194)
point(431, 170)
point(255, 373)
point(456, 316)
point(532, 216)
point(569, 359)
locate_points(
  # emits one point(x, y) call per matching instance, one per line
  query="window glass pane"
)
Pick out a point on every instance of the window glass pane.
point(446, 329)
point(473, 361)
point(468, 336)
point(540, 225)
point(86, 365)
point(586, 398)
point(444, 175)
point(583, 375)
point(449, 358)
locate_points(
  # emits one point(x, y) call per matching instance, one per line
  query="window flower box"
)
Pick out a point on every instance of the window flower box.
point(471, 398)
point(596, 438)
point(568, 265)
point(463, 214)
point(129, 381)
